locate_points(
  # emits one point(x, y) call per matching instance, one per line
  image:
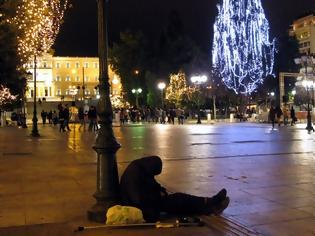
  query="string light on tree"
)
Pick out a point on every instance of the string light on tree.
point(176, 88)
point(5, 96)
point(38, 23)
point(242, 52)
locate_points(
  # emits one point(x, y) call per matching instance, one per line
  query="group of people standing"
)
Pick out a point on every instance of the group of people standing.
point(154, 115)
point(276, 114)
point(65, 114)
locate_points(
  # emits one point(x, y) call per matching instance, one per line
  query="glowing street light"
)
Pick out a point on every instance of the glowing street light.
point(137, 92)
point(308, 64)
point(162, 86)
point(198, 81)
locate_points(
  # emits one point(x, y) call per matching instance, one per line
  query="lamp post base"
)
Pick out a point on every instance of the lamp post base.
point(35, 132)
point(97, 213)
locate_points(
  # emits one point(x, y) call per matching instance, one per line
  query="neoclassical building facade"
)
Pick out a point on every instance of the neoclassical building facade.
point(67, 78)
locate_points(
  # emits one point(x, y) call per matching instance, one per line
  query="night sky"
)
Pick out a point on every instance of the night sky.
point(78, 35)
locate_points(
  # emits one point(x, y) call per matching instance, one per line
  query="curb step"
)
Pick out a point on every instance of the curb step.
point(228, 226)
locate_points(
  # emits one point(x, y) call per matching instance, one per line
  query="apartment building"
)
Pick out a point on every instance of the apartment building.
point(304, 30)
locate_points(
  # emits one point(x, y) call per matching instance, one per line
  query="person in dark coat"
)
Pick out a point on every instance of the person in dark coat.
point(292, 114)
point(44, 116)
point(279, 114)
point(272, 116)
point(49, 117)
point(139, 188)
point(61, 119)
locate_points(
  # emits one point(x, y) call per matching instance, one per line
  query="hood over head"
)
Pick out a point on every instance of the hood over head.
point(152, 165)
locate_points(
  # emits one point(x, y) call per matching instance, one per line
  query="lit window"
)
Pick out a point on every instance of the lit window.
point(87, 92)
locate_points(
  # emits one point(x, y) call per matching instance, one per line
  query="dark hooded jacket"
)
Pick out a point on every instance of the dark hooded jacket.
point(140, 189)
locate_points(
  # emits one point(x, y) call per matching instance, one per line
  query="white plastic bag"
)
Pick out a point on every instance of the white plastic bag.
point(118, 214)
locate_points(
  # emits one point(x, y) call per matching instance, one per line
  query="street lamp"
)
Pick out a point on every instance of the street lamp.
point(35, 132)
point(293, 92)
point(137, 92)
point(307, 63)
point(198, 81)
point(73, 90)
point(162, 86)
point(28, 74)
point(106, 145)
point(308, 85)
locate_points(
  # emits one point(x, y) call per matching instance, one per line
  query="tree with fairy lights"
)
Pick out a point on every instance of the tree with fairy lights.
point(5, 97)
point(176, 88)
point(242, 55)
point(38, 23)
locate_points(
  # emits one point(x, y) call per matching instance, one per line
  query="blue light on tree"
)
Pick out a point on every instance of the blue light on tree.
point(242, 52)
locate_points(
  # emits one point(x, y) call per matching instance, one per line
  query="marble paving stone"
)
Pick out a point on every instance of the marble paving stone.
point(268, 217)
point(305, 227)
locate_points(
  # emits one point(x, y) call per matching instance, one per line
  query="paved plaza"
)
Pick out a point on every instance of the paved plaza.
point(46, 183)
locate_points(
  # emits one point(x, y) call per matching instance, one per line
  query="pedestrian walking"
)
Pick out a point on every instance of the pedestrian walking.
point(140, 189)
point(61, 119)
point(54, 118)
point(122, 116)
point(49, 117)
point(292, 115)
point(285, 116)
point(44, 116)
point(92, 115)
point(81, 118)
point(272, 116)
point(172, 116)
point(279, 114)
point(66, 117)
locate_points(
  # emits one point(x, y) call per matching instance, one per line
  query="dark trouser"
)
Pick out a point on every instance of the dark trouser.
point(62, 127)
point(273, 123)
point(181, 203)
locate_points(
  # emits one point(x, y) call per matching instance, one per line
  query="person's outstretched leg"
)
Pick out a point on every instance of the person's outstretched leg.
point(181, 203)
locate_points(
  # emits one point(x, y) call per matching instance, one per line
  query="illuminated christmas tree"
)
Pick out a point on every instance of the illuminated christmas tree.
point(5, 96)
point(176, 88)
point(242, 52)
point(38, 23)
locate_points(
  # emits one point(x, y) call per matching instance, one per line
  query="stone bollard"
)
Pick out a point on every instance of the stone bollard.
point(231, 118)
point(209, 118)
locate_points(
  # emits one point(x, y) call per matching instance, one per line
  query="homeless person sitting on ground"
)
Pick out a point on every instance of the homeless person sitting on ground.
point(140, 189)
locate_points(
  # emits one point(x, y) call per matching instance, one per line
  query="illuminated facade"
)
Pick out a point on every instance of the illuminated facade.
point(304, 30)
point(68, 78)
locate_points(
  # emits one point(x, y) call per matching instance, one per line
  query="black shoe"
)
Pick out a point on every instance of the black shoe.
point(222, 206)
point(219, 197)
